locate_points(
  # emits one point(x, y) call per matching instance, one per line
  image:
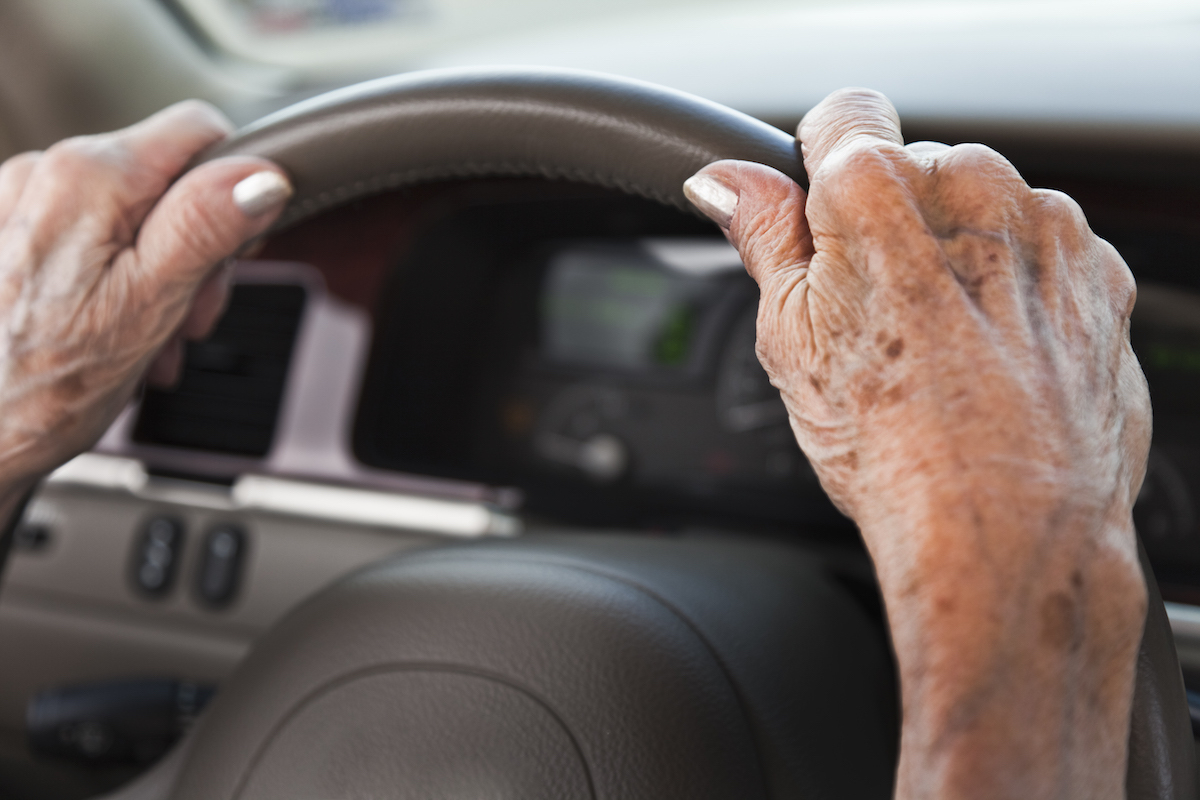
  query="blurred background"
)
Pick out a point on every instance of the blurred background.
point(622, 372)
point(1059, 68)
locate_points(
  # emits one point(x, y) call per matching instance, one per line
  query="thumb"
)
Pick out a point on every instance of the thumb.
point(761, 210)
point(206, 216)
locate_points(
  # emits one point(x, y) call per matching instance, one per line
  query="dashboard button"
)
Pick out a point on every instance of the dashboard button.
point(157, 555)
point(30, 537)
point(603, 457)
point(220, 565)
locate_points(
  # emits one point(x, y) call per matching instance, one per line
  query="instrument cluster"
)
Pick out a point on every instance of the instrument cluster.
point(597, 353)
point(610, 376)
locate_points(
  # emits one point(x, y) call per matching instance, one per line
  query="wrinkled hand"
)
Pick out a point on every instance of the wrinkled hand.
point(105, 263)
point(953, 349)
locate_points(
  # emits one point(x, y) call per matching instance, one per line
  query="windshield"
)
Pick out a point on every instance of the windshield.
point(1013, 58)
point(359, 34)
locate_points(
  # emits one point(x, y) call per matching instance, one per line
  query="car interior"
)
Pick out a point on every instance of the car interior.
point(478, 487)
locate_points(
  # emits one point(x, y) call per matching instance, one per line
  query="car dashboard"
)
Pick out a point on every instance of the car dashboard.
point(487, 358)
point(498, 358)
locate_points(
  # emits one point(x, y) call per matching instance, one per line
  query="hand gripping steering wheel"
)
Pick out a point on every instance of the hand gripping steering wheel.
point(565, 667)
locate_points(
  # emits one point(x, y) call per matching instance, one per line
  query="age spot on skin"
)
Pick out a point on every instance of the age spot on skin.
point(1060, 625)
point(849, 460)
point(71, 387)
point(868, 393)
point(895, 348)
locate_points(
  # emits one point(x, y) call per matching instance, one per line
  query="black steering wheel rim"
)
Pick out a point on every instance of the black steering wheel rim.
point(614, 132)
point(437, 125)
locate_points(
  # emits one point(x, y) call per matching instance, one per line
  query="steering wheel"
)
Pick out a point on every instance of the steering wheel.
point(572, 666)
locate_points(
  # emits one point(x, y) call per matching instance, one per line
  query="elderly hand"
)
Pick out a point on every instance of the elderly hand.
point(106, 260)
point(953, 349)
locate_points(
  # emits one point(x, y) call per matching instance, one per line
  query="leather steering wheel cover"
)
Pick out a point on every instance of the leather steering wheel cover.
point(461, 123)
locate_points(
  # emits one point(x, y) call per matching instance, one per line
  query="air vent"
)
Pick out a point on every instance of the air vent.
point(229, 396)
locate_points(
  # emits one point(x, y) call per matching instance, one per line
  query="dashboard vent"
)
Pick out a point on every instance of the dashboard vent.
point(228, 398)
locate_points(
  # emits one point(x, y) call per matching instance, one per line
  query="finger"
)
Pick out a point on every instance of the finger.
point(124, 172)
point(168, 140)
point(844, 119)
point(973, 187)
point(208, 304)
point(761, 210)
point(152, 153)
point(927, 150)
point(206, 216)
point(14, 174)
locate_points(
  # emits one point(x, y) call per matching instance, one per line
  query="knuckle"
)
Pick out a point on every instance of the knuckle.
point(862, 159)
point(83, 158)
point(186, 120)
point(1059, 206)
point(202, 115)
point(927, 151)
point(1058, 221)
point(21, 162)
point(973, 186)
point(977, 159)
point(978, 174)
point(865, 154)
point(857, 95)
point(852, 107)
point(1063, 218)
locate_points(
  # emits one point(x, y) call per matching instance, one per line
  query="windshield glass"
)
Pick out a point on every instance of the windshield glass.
point(679, 42)
point(360, 33)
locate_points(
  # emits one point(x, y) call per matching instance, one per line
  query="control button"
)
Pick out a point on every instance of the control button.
point(30, 537)
point(156, 555)
point(604, 457)
point(220, 565)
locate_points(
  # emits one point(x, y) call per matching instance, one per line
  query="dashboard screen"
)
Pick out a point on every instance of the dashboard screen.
point(627, 307)
point(606, 372)
point(1166, 337)
point(645, 371)
point(599, 356)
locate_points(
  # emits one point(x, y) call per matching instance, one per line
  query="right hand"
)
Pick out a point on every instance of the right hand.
point(953, 349)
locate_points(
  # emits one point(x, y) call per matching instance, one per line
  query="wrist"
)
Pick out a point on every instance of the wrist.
point(1016, 636)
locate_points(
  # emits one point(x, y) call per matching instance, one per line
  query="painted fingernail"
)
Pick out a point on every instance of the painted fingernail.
point(715, 200)
point(261, 192)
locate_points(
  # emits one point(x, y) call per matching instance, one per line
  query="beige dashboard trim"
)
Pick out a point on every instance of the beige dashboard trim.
point(312, 441)
point(366, 507)
point(305, 499)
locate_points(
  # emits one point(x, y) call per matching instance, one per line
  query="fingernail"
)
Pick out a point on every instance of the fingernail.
point(261, 192)
point(714, 199)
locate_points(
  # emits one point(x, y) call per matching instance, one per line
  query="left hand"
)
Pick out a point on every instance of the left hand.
point(107, 259)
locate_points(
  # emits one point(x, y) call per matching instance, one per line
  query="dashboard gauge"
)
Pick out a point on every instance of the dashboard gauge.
point(746, 400)
point(574, 431)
